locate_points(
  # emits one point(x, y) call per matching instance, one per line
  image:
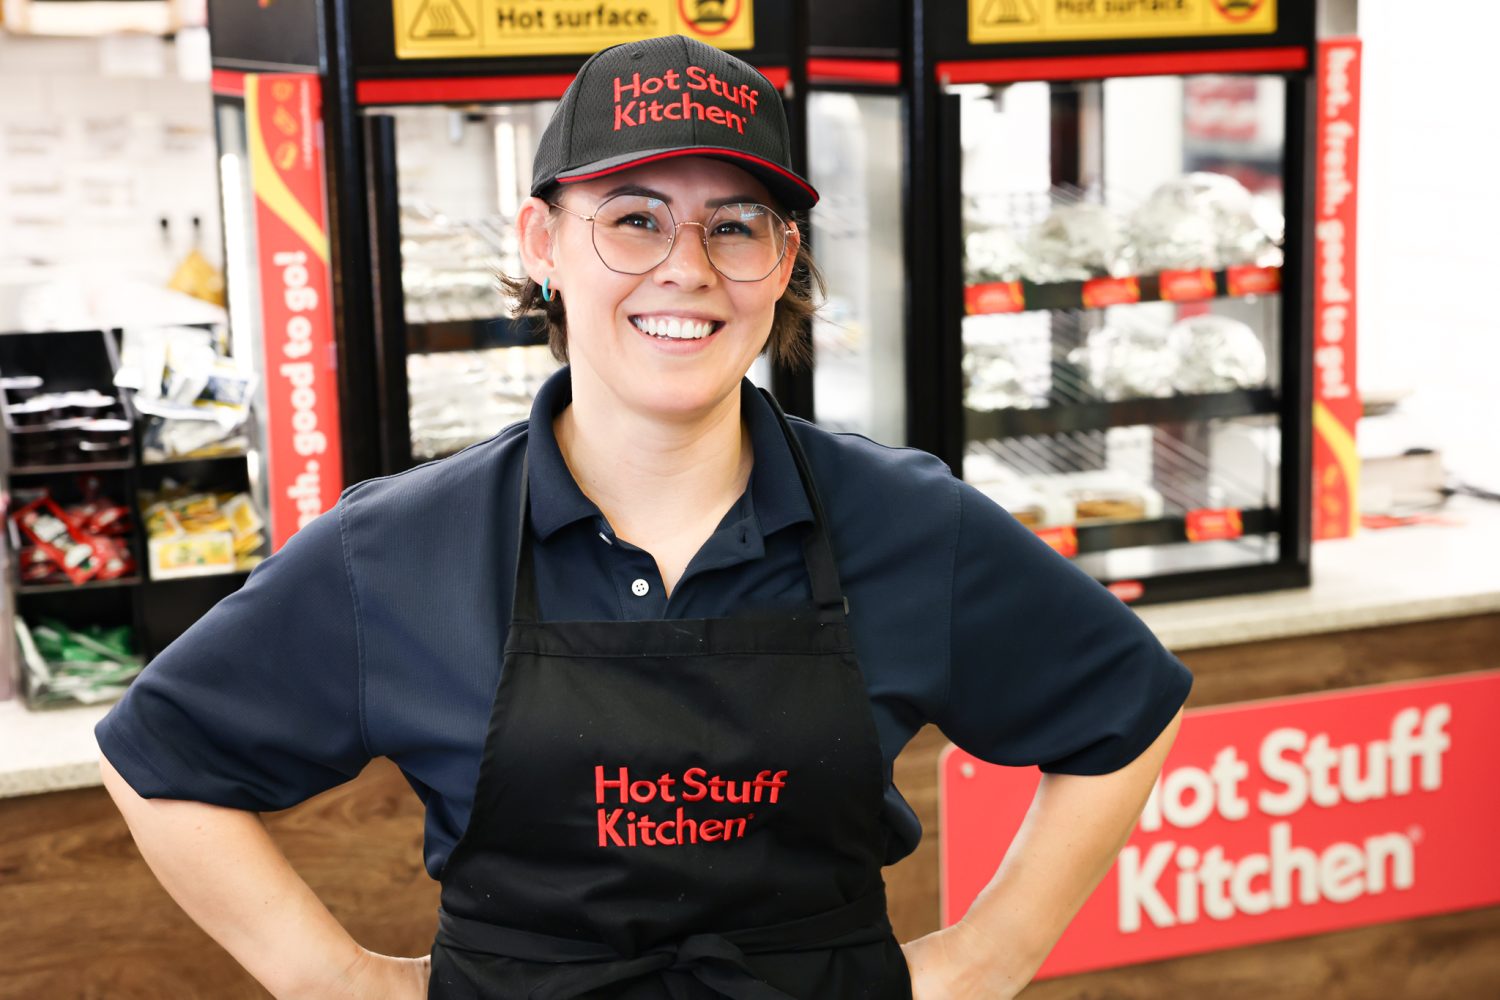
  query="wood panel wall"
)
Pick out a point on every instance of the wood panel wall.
point(82, 917)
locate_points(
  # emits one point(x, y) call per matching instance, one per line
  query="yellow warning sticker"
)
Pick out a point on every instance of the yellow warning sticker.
point(439, 29)
point(999, 21)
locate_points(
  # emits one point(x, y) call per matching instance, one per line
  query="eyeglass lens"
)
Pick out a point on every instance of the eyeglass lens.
point(633, 234)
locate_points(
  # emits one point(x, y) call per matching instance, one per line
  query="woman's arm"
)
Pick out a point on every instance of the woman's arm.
point(223, 869)
point(1075, 827)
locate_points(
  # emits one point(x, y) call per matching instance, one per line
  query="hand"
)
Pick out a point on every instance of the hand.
point(384, 977)
point(955, 964)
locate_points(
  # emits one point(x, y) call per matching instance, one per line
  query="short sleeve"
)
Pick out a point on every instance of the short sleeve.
point(1047, 666)
point(256, 706)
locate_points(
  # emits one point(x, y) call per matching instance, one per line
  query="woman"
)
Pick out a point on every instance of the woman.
point(719, 627)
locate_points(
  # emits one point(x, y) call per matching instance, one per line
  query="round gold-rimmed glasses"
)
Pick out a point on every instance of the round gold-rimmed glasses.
point(634, 233)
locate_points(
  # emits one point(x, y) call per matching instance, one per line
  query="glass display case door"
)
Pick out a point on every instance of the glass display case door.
point(453, 366)
point(854, 160)
point(1123, 343)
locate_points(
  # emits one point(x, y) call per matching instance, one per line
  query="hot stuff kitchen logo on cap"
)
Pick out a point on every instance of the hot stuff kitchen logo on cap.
point(675, 96)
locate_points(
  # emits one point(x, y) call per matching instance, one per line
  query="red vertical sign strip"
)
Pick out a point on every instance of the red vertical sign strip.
point(283, 115)
point(1336, 406)
point(1271, 820)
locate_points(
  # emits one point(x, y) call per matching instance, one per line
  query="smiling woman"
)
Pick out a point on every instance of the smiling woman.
point(650, 685)
point(738, 251)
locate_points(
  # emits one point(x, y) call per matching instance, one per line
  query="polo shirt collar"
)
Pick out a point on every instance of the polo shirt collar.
point(775, 490)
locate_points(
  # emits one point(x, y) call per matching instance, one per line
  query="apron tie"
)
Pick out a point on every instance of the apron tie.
point(712, 959)
point(715, 960)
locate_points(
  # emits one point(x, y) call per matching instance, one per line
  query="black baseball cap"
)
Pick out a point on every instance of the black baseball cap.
point(665, 97)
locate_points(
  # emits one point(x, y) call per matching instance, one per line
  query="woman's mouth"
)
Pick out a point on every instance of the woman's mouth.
point(667, 327)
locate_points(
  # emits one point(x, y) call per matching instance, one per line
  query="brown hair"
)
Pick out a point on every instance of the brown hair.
point(787, 346)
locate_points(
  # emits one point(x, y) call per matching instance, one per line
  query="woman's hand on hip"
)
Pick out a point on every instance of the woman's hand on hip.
point(956, 964)
point(384, 977)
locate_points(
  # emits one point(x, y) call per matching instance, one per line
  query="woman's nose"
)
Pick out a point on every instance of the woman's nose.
point(687, 261)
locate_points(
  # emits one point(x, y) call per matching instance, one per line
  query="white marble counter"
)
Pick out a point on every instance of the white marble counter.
point(47, 751)
point(1379, 578)
point(1385, 577)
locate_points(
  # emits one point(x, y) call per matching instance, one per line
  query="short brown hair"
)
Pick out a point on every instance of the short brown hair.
point(787, 346)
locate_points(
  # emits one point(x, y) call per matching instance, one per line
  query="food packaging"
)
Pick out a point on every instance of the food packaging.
point(993, 254)
point(67, 666)
point(69, 546)
point(1101, 496)
point(196, 402)
point(1204, 219)
point(993, 381)
point(1215, 354)
point(1126, 359)
point(51, 429)
point(1074, 243)
point(200, 534)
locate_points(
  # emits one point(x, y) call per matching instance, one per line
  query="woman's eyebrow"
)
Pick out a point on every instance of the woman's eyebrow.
point(645, 192)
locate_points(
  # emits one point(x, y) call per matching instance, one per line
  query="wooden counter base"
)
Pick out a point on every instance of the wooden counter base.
point(81, 916)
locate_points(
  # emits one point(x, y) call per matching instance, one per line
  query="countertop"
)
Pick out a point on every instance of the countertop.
point(1386, 577)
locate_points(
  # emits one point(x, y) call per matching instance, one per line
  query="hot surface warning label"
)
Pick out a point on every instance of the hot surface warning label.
point(992, 21)
point(437, 29)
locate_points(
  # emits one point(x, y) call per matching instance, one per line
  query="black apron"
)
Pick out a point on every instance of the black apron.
point(675, 809)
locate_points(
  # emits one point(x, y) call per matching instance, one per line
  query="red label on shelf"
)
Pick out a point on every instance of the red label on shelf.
point(1127, 590)
point(1271, 820)
point(1187, 286)
point(1247, 279)
point(994, 297)
point(1064, 539)
point(284, 133)
point(1213, 525)
point(1101, 292)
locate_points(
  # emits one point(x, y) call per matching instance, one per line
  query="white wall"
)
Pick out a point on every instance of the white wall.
point(1429, 215)
point(100, 138)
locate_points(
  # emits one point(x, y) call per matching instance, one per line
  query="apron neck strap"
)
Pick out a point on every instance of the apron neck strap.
point(817, 550)
point(524, 603)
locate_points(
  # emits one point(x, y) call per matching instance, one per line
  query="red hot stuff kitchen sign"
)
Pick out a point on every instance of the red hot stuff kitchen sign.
point(1271, 820)
point(302, 405)
point(673, 96)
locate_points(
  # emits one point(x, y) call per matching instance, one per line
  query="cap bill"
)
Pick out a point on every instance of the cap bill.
point(791, 190)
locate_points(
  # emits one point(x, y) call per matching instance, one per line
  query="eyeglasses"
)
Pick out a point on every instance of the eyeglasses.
point(634, 233)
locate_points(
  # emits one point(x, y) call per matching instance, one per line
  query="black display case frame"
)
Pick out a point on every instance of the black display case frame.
point(917, 49)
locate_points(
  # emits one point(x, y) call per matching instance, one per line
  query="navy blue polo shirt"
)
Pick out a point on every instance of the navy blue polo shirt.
point(377, 630)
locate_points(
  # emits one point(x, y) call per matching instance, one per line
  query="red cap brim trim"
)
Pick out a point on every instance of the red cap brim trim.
point(698, 151)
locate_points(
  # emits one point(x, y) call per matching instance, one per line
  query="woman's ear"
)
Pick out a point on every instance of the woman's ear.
point(789, 259)
point(538, 256)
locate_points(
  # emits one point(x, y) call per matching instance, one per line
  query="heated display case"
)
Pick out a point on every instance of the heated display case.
point(430, 114)
point(1105, 232)
point(855, 160)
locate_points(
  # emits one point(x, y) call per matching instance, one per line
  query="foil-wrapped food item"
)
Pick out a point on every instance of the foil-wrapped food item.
point(1074, 243)
point(993, 255)
point(1204, 219)
point(1215, 354)
point(993, 381)
point(461, 397)
point(449, 267)
point(1127, 360)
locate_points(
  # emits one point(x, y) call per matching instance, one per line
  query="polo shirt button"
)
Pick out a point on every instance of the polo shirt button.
point(640, 588)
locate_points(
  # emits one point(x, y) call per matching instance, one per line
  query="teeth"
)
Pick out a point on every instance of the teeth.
point(673, 327)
